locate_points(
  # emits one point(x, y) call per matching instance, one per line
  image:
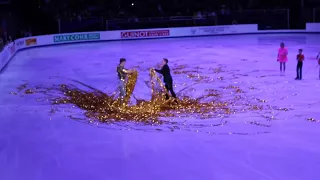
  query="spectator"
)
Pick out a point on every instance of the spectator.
point(4, 37)
point(79, 18)
point(27, 33)
point(199, 14)
point(21, 34)
point(9, 40)
point(1, 44)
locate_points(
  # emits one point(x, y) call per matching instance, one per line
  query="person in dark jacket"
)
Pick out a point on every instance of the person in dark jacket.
point(300, 59)
point(167, 78)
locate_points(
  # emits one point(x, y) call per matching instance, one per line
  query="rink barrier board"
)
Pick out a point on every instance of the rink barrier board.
point(86, 37)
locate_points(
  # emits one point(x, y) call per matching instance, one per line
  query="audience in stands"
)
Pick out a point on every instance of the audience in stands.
point(6, 38)
point(1, 44)
point(115, 10)
point(82, 12)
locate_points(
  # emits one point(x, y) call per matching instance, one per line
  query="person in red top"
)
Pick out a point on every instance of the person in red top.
point(300, 59)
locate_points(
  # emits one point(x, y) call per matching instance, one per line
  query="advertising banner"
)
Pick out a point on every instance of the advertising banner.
point(19, 43)
point(76, 37)
point(145, 34)
point(213, 30)
point(31, 41)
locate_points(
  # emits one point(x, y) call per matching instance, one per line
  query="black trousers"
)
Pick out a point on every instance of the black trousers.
point(299, 70)
point(284, 66)
point(170, 88)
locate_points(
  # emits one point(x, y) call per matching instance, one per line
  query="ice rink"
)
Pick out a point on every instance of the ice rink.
point(36, 144)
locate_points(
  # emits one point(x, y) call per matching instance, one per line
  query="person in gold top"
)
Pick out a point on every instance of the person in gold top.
point(122, 75)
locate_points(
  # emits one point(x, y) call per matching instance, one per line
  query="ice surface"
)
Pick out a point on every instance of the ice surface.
point(35, 145)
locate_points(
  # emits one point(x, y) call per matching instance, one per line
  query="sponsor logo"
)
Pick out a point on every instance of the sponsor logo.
point(142, 34)
point(76, 37)
point(20, 43)
point(214, 30)
point(31, 41)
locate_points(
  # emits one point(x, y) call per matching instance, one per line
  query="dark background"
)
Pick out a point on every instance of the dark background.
point(43, 16)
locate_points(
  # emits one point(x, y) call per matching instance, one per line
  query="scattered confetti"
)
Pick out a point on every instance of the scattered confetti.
point(131, 112)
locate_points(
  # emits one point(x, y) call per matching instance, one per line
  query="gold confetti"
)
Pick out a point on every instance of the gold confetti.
point(106, 108)
point(313, 120)
point(29, 91)
point(23, 86)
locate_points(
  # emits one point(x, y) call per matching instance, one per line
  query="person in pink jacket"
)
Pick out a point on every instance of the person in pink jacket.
point(282, 58)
